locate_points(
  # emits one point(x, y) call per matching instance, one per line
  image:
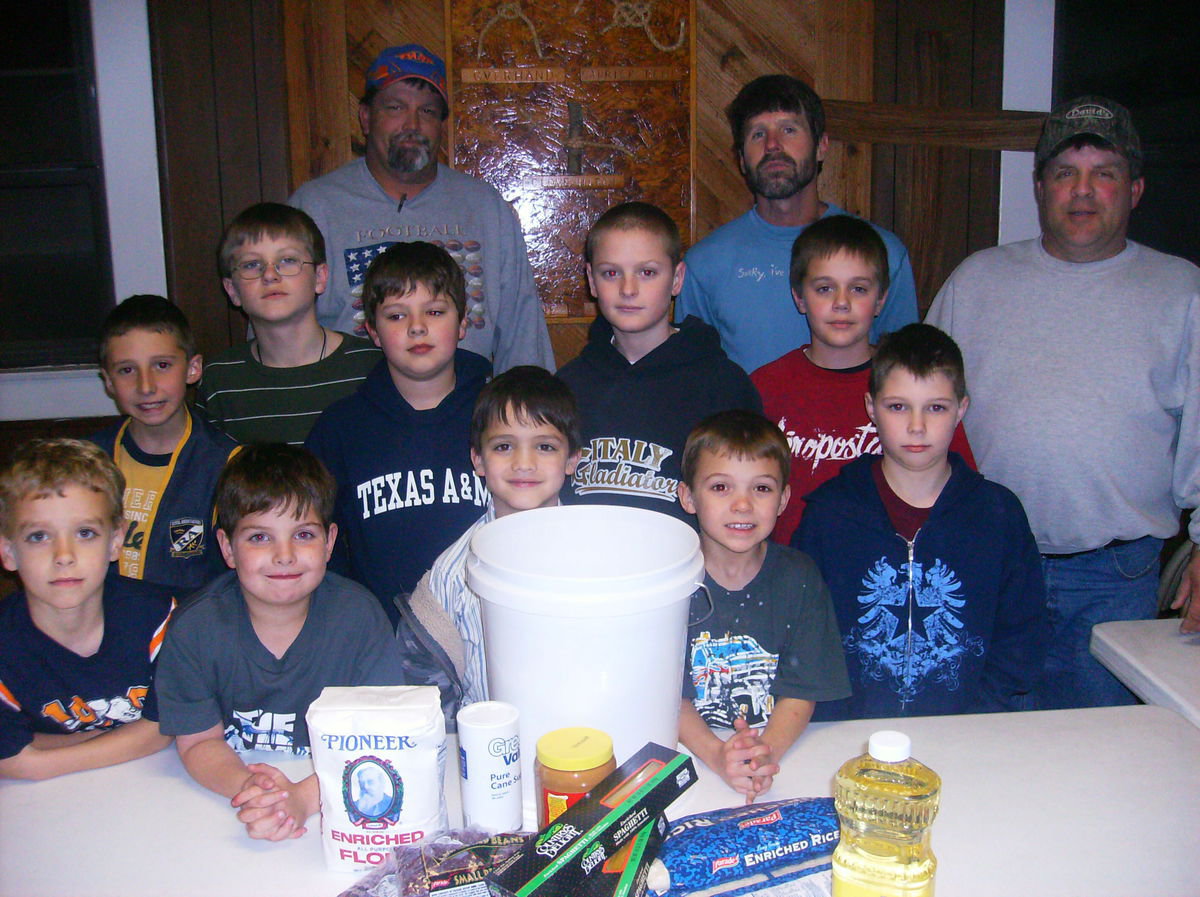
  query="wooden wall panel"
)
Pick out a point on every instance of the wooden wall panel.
point(320, 127)
point(606, 120)
point(219, 95)
point(188, 163)
point(844, 68)
point(987, 69)
point(826, 43)
point(941, 200)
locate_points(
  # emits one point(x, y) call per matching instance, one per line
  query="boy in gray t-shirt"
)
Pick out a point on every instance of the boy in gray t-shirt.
point(765, 646)
point(246, 655)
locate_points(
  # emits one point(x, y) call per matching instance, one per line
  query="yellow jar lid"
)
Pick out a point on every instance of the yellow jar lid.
point(574, 749)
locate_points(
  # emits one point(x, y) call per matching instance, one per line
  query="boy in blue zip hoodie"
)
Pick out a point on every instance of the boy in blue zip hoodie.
point(399, 447)
point(170, 457)
point(934, 573)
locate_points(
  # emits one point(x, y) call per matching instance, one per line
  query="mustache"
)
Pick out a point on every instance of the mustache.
point(775, 157)
point(411, 137)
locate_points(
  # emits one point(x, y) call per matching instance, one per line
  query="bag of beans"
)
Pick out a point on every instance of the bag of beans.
point(380, 757)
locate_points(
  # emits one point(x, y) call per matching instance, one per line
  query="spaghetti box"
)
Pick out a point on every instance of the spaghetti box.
point(574, 846)
point(625, 873)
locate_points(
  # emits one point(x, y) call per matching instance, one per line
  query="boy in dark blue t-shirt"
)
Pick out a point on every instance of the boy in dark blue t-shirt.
point(767, 649)
point(77, 644)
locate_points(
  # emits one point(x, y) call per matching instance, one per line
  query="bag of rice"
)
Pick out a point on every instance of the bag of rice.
point(776, 849)
point(380, 757)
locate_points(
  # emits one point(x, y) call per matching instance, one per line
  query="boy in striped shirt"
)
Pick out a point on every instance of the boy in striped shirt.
point(275, 386)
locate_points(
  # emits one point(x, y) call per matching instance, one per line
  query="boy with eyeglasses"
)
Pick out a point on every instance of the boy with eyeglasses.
point(275, 386)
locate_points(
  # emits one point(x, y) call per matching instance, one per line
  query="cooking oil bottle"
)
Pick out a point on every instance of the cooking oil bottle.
point(885, 802)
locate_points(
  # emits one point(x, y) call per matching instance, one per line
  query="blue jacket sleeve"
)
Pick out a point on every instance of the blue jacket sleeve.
point(1021, 634)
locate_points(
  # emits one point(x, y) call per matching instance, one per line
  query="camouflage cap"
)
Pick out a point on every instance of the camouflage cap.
point(1093, 115)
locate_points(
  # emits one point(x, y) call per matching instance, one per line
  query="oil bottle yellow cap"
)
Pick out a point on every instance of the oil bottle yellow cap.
point(574, 749)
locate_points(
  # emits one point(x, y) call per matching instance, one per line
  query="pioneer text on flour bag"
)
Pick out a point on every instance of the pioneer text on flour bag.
point(380, 757)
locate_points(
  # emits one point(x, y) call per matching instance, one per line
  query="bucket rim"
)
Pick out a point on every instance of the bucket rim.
point(689, 546)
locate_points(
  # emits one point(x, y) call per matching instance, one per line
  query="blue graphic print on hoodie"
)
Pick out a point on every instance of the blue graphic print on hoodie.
point(954, 621)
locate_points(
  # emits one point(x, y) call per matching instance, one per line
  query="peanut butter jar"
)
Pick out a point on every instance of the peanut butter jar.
point(570, 762)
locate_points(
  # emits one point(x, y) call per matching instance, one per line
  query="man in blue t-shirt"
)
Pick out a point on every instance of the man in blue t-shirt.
point(737, 276)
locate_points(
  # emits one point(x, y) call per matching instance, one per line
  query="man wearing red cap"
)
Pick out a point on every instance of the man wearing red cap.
point(1082, 350)
point(399, 192)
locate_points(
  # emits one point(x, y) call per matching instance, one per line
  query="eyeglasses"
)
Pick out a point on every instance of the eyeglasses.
point(256, 268)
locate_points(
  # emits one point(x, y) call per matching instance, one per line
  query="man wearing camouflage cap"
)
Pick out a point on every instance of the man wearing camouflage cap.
point(1082, 350)
point(400, 192)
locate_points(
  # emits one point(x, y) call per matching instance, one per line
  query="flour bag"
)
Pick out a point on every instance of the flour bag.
point(380, 758)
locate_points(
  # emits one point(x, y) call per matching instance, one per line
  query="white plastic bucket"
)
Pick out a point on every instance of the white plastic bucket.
point(585, 622)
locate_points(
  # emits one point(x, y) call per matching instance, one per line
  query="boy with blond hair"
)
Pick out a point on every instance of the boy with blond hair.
point(641, 383)
point(934, 573)
point(248, 654)
point(524, 444)
point(399, 447)
point(275, 386)
point(767, 647)
point(78, 643)
point(840, 281)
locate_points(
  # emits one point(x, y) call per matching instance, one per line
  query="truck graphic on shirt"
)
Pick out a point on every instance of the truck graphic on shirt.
point(732, 675)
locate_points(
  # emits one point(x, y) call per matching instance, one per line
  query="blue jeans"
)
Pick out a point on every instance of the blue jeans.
point(1119, 583)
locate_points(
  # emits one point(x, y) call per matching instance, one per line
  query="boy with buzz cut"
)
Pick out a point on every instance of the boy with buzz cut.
point(78, 643)
point(274, 387)
point(768, 648)
point(934, 573)
point(525, 444)
point(399, 447)
point(839, 278)
point(641, 383)
point(169, 456)
point(246, 655)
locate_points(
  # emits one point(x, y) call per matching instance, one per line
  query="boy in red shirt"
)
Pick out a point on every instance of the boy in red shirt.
point(839, 278)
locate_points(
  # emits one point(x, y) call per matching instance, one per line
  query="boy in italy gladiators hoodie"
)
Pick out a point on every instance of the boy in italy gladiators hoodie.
point(641, 384)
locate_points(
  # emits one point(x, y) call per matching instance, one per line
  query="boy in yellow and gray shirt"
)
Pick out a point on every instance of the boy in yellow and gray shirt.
point(169, 457)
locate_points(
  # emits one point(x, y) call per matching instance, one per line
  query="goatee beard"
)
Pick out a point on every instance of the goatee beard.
point(405, 157)
point(781, 185)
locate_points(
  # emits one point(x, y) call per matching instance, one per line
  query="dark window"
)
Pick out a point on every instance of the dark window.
point(55, 268)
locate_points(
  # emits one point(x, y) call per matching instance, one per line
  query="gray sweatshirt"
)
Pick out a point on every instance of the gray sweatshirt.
point(465, 216)
point(1085, 387)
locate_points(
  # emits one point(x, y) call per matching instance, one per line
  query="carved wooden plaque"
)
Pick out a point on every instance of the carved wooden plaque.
point(568, 107)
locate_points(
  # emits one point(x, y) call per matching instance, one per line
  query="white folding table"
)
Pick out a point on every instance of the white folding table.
point(1157, 662)
point(1097, 802)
